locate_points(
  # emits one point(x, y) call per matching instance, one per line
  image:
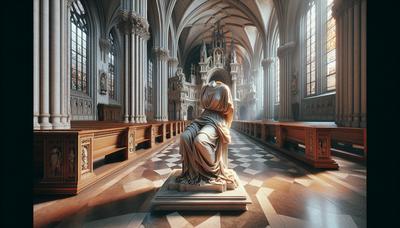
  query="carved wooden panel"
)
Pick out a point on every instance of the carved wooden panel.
point(310, 143)
point(54, 151)
point(131, 140)
point(324, 145)
point(71, 158)
point(86, 155)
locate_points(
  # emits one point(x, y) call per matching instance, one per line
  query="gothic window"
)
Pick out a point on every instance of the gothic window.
point(330, 48)
point(277, 74)
point(310, 49)
point(79, 52)
point(320, 48)
point(111, 68)
point(149, 90)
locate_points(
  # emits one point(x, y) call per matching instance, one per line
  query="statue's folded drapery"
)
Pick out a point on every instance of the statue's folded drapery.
point(204, 143)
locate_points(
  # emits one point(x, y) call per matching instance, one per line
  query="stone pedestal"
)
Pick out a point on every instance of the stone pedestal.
point(172, 196)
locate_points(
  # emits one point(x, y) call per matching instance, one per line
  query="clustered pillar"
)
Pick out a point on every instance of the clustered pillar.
point(172, 65)
point(51, 91)
point(268, 88)
point(285, 60)
point(234, 76)
point(134, 28)
point(161, 83)
point(351, 78)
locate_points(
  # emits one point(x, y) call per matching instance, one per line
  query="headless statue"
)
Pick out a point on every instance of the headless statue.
point(204, 143)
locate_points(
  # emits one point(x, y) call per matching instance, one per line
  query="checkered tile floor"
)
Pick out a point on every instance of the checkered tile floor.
point(284, 193)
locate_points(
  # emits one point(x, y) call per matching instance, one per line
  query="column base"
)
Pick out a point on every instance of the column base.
point(64, 121)
point(56, 122)
point(46, 126)
point(36, 125)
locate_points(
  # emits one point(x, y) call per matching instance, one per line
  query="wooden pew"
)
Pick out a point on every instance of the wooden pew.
point(68, 161)
point(350, 142)
point(317, 139)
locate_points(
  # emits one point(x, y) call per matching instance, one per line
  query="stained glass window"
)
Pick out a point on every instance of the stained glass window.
point(111, 67)
point(330, 48)
point(277, 75)
point(150, 82)
point(79, 41)
point(310, 49)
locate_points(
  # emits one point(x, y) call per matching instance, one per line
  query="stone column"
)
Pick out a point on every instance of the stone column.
point(257, 80)
point(44, 64)
point(268, 89)
point(161, 84)
point(65, 58)
point(36, 62)
point(132, 77)
point(50, 77)
point(145, 38)
point(126, 72)
point(172, 65)
point(55, 63)
point(285, 61)
point(350, 19)
point(234, 76)
point(141, 36)
point(125, 29)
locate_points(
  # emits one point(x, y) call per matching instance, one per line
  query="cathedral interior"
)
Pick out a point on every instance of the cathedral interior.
point(116, 82)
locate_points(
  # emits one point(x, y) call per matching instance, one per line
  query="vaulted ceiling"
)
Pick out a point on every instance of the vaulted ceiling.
point(241, 20)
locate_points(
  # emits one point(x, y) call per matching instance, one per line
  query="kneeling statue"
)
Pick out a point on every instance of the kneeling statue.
point(204, 143)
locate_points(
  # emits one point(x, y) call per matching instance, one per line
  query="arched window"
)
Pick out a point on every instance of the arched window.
point(149, 87)
point(310, 49)
point(320, 48)
point(330, 48)
point(111, 68)
point(277, 74)
point(79, 52)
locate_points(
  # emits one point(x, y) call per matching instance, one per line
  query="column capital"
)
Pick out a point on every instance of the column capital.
point(105, 44)
point(286, 49)
point(173, 61)
point(161, 53)
point(131, 22)
point(267, 62)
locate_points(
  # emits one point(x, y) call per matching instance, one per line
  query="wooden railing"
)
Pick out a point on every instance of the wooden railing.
point(305, 141)
point(64, 159)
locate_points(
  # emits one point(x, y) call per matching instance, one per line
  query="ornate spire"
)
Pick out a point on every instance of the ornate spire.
point(233, 52)
point(203, 53)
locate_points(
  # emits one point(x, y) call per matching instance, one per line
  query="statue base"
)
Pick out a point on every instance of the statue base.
point(173, 196)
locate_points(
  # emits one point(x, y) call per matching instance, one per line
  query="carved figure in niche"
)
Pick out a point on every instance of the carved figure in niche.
point(204, 143)
point(55, 161)
point(103, 83)
point(218, 61)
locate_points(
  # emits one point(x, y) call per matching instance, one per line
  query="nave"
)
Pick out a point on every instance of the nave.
point(284, 193)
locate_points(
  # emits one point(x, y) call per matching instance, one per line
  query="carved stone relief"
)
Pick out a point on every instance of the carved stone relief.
point(103, 83)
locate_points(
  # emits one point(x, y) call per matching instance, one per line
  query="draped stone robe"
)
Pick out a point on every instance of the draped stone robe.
point(204, 143)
